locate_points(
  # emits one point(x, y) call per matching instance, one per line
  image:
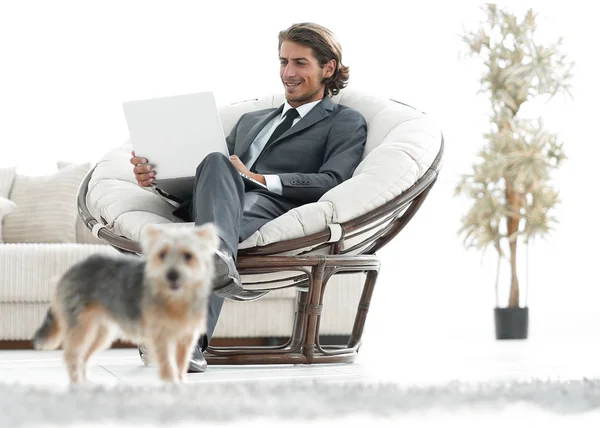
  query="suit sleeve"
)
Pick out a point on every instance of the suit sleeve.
point(233, 136)
point(343, 151)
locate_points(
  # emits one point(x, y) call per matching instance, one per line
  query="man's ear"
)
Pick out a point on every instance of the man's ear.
point(329, 68)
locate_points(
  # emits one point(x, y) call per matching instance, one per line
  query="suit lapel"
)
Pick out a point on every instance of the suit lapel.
point(255, 130)
point(317, 114)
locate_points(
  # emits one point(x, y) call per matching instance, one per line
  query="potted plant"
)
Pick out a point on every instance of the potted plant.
point(510, 184)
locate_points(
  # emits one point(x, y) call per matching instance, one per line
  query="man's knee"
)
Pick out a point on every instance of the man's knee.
point(214, 158)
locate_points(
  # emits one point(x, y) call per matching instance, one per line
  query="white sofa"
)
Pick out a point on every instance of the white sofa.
point(41, 236)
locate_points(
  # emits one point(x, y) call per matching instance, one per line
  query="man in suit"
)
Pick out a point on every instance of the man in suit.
point(299, 151)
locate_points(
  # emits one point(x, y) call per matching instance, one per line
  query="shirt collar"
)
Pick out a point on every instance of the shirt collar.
point(302, 110)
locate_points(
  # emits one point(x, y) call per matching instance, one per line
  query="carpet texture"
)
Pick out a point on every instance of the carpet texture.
point(22, 405)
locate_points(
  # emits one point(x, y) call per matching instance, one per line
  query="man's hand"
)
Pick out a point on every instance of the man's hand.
point(239, 165)
point(142, 170)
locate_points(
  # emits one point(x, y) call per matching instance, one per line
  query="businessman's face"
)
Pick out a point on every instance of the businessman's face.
point(301, 74)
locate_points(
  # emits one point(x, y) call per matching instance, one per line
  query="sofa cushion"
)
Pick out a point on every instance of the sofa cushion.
point(46, 207)
point(19, 321)
point(28, 271)
point(7, 176)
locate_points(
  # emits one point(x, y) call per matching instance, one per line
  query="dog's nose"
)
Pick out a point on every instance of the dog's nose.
point(172, 275)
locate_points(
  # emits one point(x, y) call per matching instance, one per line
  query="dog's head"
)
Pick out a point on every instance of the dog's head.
point(180, 260)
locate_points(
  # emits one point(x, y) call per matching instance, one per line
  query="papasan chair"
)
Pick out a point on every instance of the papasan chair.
point(305, 248)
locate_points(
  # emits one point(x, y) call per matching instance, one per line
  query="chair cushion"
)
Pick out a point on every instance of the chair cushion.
point(83, 235)
point(401, 145)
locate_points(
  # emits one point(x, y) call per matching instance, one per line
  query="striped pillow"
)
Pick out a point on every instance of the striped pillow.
point(6, 178)
point(6, 207)
point(46, 207)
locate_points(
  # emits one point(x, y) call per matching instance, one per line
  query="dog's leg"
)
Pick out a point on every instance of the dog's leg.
point(72, 355)
point(185, 345)
point(163, 352)
point(76, 344)
point(104, 338)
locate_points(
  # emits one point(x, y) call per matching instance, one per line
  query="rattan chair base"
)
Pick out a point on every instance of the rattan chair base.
point(303, 346)
point(239, 358)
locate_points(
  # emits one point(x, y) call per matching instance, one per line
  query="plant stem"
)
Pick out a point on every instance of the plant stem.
point(498, 280)
point(512, 226)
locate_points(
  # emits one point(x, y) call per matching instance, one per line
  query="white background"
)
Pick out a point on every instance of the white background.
point(67, 67)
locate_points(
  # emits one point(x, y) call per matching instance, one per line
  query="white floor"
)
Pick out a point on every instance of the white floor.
point(416, 364)
point(409, 364)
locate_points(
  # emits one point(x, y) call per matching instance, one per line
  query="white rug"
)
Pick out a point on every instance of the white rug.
point(294, 401)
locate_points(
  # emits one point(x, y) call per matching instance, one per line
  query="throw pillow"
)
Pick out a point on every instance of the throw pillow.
point(6, 207)
point(46, 207)
point(6, 179)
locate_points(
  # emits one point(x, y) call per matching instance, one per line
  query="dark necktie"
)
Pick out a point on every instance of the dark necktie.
point(290, 115)
point(286, 124)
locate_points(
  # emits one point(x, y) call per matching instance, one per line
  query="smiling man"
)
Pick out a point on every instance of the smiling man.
point(299, 150)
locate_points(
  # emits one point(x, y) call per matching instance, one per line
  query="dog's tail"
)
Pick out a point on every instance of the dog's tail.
point(49, 335)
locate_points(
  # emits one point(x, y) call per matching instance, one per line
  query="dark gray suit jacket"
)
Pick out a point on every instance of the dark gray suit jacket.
point(316, 154)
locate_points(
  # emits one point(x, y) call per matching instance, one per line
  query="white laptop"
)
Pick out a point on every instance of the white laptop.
point(175, 134)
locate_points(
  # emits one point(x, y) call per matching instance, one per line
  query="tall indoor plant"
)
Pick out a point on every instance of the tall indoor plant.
point(510, 182)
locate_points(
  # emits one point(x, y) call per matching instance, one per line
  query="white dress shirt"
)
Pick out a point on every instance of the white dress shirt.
point(273, 181)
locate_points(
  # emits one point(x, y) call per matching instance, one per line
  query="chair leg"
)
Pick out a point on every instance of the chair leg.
point(363, 308)
point(351, 349)
point(313, 309)
point(298, 330)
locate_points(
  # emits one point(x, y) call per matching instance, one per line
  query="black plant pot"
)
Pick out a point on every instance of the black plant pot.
point(511, 323)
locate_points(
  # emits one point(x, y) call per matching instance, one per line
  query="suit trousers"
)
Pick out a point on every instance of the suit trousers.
point(219, 197)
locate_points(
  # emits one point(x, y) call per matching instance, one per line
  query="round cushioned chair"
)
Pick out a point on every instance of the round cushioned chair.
point(304, 248)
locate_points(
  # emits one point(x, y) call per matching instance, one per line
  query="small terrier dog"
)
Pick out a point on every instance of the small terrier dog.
point(159, 301)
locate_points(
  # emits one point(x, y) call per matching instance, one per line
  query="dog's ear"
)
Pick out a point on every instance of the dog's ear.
point(148, 236)
point(208, 233)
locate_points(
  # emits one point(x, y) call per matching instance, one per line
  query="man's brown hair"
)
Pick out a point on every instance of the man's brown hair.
point(325, 47)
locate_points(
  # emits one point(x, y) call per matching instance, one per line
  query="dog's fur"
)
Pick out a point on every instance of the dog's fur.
point(159, 301)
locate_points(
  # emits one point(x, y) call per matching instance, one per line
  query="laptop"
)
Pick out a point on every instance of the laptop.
point(175, 134)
